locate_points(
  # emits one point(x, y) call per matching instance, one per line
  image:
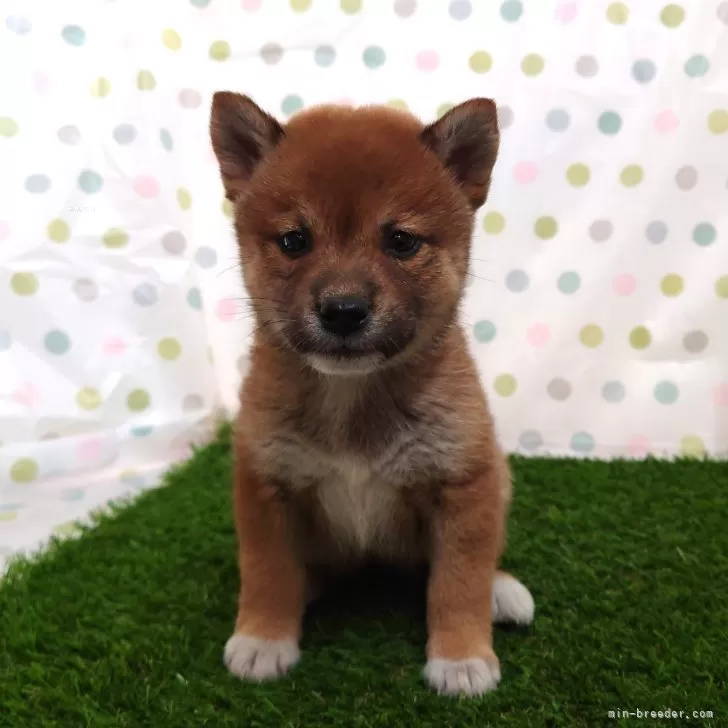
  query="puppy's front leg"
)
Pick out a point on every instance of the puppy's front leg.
point(273, 582)
point(467, 530)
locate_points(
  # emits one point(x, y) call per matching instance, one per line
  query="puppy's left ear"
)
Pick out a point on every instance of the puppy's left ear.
point(466, 140)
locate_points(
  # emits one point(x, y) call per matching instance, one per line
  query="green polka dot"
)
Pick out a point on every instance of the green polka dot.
point(442, 109)
point(721, 287)
point(24, 284)
point(618, 13)
point(138, 400)
point(57, 342)
point(591, 336)
point(169, 349)
point(115, 238)
point(532, 64)
point(480, 62)
point(494, 223)
point(146, 81)
point(398, 104)
point(610, 122)
point(88, 398)
point(220, 50)
point(101, 87)
point(484, 331)
point(578, 175)
point(672, 16)
point(546, 227)
point(640, 337)
point(184, 198)
point(692, 446)
point(350, 7)
point(666, 392)
point(505, 385)
point(171, 39)
point(672, 285)
point(58, 231)
point(8, 126)
point(569, 282)
point(704, 234)
point(24, 471)
point(227, 208)
point(300, 6)
point(374, 57)
point(631, 175)
point(90, 182)
point(718, 121)
point(291, 104)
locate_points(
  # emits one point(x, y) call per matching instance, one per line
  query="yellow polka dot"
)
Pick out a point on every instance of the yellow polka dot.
point(115, 238)
point(398, 104)
point(532, 64)
point(101, 87)
point(184, 198)
point(227, 208)
point(24, 284)
point(718, 121)
point(480, 62)
point(58, 230)
point(300, 6)
point(618, 13)
point(692, 446)
point(442, 109)
point(672, 285)
point(171, 39)
point(6, 516)
point(494, 223)
point(546, 227)
point(138, 400)
point(591, 336)
point(220, 50)
point(631, 175)
point(578, 175)
point(721, 287)
point(350, 7)
point(505, 385)
point(8, 127)
point(24, 471)
point(68, 529)
point(169, 349)
point(146, 81)
point(640, 337)
point(88, 399)
point(672, 16)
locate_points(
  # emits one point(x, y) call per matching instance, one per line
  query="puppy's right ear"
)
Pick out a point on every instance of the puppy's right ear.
point(242, 134)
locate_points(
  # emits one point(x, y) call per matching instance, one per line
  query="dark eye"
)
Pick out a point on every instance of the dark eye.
point(401, 244)
point(295, 243)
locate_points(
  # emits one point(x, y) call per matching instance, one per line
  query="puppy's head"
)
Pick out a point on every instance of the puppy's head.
point(354, 225)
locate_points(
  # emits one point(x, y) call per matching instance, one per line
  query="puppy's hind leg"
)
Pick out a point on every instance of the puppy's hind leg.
point(512, 601)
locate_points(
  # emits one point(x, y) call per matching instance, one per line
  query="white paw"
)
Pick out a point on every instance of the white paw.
point(252, 658)
point(512, 602)
point(462, 677)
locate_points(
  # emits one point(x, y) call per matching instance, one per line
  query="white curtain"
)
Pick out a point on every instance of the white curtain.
point(598, 301)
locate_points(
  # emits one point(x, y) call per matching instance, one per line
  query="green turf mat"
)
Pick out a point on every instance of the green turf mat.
point(628, 563)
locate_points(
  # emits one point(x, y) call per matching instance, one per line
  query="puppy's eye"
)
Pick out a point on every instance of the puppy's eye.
point(401, 244)
point(295, 243)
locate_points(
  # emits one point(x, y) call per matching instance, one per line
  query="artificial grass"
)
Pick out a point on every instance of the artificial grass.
point(627, 562)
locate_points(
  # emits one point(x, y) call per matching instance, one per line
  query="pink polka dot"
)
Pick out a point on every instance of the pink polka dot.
point(4, 230)
point(624, 284)
point(26, 394)
point(638, 446)
point(538, 334)
point(146, 186)
point(721, 395)
point(89, 450)
point(251, 5)
point(525, 172)
point(427, 60)
point(114, 346)
point(226, 309)
point(566, 12)
point(41, 82)
point(666, 121)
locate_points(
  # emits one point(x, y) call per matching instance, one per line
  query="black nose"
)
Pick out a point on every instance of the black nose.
point(344, 315)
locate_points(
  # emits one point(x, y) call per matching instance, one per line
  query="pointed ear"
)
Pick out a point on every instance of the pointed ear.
point(466, 141)
point(242, 134)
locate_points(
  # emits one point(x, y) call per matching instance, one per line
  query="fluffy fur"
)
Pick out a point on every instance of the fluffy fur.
point(377, 444)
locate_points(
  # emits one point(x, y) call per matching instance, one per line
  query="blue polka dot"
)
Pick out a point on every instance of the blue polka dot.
point(517, 281)
point(558, 120)
point(696, 66)
point(484, 331)
point(200, 3)
point(666, 392)
point(530, 440)
point(18, 24)
point(6, 341)
point(144, 431)
point(76, 494)
point(569, 282)
point(511, 10)
point(704, 234)
point(57, 342)
point(74, 35)
point(124, 134)
point(206, 257)
point(613, 392)
point(644, 70)
point(37, 184)
point(582, 442)
point(166, 139)
point(145, 294)
point(324, 55)
point(194, 298)
point(291, 104)
point(460, 9)
point(374, 57)
point(90, 182)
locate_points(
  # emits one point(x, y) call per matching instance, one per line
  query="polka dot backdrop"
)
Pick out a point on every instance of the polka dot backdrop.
point(598, 293)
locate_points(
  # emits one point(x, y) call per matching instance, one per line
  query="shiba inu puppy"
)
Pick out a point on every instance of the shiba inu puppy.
point(364, 431)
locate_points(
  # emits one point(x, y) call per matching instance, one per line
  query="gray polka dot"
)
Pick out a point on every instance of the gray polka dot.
point(192, 402)
point(271, 53)
point(586, 66)
point(189, 98)
point(686, 177)
point(324, 55)
point(656, 231)
point(644, 70)
point(37, 183)
point(86, 289)
point(49, 436)
point(6, 341)
point(557, 120)
point(505, 117)
point(145, 294)
point(405, 8)
point(124, 134)
point(559, 389)
point(69, 134)
point(530, 440)
point(174, 242)
point(695, 341)
point(517, 281)
point(601, 230)
point(613, 392)
point(205, 257)
point(723, 13)
point(460, 9)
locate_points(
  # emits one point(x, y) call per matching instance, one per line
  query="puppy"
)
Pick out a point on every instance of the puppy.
point(363, 431)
